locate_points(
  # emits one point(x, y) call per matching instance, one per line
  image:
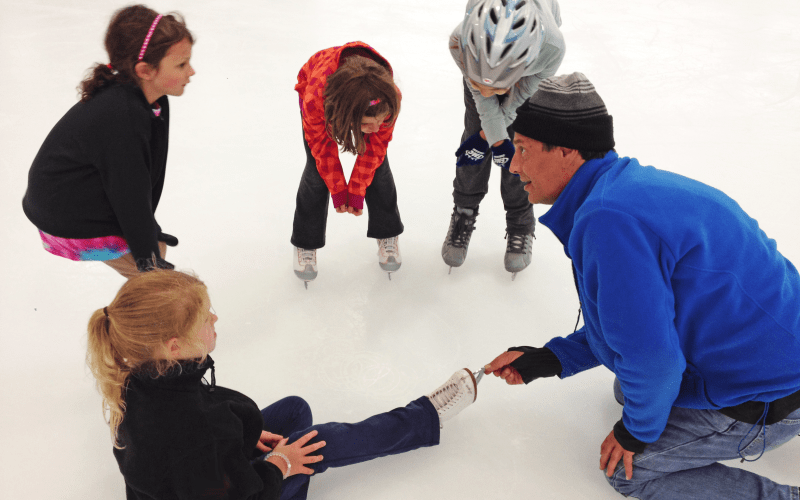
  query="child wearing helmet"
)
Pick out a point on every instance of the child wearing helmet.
point(348, 98)
point(504, 48)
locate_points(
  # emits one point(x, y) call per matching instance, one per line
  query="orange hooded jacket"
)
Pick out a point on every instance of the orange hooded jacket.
point(311, 83)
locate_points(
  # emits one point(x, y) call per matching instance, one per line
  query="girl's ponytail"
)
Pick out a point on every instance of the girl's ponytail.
point(99, 77)
point(108, 368)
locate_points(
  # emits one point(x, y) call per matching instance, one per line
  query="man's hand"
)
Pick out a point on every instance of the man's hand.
point(610, 453)
point(501, 369)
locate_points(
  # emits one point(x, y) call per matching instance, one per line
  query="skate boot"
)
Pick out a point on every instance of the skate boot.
point(462, 223)
point(389, 255)
point(457, 393)
point(305, 264)
point(518, 252)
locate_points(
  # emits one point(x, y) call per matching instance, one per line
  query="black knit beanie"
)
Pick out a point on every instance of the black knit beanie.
point(566, 111)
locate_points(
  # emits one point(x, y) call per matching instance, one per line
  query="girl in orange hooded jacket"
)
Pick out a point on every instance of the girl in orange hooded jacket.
point(348, 99)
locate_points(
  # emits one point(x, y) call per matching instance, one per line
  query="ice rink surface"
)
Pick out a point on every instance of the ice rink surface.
point(709, 89)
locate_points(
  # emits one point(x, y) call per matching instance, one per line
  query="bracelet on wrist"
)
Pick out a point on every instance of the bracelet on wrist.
point(285, 459)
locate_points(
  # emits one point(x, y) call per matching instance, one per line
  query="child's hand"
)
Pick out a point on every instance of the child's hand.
point(472, 151)
point(267, 441)
point(298, 454)
point(341, 209)
point(502, 153)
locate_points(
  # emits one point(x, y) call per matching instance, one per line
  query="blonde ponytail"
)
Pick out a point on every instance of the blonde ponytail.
point(109, 370)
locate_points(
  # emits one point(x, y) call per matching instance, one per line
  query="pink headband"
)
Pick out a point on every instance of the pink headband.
point(149, 34)
point(376, 101)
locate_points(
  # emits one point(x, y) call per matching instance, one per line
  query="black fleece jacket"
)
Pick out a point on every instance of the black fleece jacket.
point(100, 171)
point(184, 439)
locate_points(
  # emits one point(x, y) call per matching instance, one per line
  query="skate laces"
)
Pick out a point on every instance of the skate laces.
point(518, 243)
point(389, 246)
point(306, 256)
point(447, 395)
point(463, 225)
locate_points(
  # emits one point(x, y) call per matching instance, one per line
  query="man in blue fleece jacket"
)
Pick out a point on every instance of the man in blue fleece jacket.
point(684, 297)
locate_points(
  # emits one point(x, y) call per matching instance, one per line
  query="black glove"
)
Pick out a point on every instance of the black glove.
point(153, 262)
point(626, 439)
point(170, 240)
point(535, 362)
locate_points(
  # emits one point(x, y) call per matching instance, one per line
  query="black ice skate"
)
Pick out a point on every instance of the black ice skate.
point(456, 243)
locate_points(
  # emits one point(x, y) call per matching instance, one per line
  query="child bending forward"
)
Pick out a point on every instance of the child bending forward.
point(348, 99)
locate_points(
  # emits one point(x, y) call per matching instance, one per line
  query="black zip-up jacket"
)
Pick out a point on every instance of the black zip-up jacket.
point(184, 439)
point(100, 171)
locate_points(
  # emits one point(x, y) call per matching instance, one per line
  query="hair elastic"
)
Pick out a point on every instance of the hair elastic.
point(108, 320)
point(374, 102)
point(149, 34)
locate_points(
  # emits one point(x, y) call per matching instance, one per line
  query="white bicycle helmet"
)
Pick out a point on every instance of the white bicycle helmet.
point(499, 39)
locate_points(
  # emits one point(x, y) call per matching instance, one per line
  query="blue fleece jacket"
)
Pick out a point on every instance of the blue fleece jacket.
point(685, 298)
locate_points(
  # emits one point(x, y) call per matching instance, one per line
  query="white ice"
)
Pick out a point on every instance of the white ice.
point(708, 89)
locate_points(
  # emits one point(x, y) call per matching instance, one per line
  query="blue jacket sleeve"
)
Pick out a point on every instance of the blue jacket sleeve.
point(573, 352)
point(624, 272)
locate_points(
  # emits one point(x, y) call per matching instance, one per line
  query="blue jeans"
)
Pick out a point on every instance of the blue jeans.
point(403, 429)
point(683, 463)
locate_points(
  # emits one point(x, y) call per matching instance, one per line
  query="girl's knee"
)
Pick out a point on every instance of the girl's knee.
point(300, 409)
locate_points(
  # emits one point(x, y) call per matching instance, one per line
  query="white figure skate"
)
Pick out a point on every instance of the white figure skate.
point(457, 393)
point(389, 255)
point(305, 264)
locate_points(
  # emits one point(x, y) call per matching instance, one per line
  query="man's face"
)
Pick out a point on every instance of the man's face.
point(545, 173)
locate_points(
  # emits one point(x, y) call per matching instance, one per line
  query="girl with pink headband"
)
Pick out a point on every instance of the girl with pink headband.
point(348, 99)
point(95, 184)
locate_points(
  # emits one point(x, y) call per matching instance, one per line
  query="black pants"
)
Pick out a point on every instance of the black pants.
point(313, 198)
point(472, 182)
